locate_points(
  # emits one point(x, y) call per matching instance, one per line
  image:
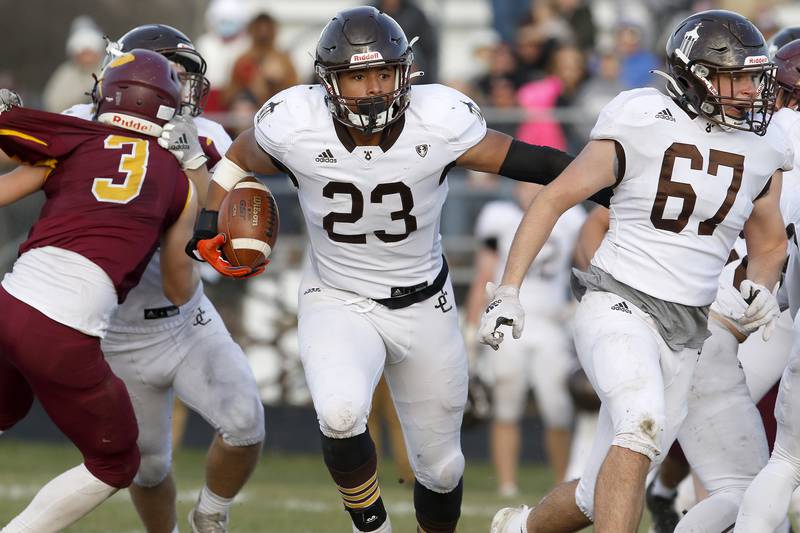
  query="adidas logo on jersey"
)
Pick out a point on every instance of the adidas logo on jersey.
point(622, 306)
point(326, 157)
point(666, 114)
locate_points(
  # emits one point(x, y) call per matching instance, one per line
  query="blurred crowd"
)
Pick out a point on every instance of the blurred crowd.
point(546, 68)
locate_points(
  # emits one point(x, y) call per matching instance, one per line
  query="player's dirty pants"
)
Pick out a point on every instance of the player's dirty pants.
point(767, 499)
point(199, 361)
point(65, 370)
point(641, 382)
point(723, 437)
point(347, 341)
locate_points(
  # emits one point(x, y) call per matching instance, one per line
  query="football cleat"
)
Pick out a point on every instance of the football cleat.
point(662, 511)
point(208, 523)
point(509, 519)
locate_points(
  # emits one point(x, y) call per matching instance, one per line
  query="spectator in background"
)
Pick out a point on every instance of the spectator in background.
point(636, 60)
point(579, 17)
point(540, 97)
point(505, 17)
point(263, 70)
point(242, 109)
point(532, 50)
point(85, 51)
point(596, 92)
point(501, 97)
point(225, 41)
point(500, 63)
point(416, 24)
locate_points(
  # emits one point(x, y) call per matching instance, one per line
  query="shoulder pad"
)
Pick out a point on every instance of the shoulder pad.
point(214, 131)
point(630, 110)
point(448, 111)
point(295, 109)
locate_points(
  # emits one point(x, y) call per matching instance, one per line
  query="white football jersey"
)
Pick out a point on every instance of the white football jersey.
point(789, 123)
point(686, 190)
point(545, 289)
point(146, 308)
point(372, 212)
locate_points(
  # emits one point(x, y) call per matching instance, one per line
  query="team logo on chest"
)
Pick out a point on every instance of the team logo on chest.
point(422, 150)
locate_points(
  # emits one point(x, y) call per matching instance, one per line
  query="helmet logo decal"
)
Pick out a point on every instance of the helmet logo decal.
point(756, 60)
point(369, 56)
point(121, 60)
point(689, 39)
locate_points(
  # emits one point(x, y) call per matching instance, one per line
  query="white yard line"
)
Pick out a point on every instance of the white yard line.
point(14, 492)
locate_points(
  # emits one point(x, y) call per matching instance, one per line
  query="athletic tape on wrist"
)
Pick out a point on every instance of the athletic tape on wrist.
point(227, 174)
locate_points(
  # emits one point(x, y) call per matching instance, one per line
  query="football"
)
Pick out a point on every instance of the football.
point(248, 216)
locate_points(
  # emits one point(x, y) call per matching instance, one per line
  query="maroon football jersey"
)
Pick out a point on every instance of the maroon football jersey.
point(210, 150)
point(110, 195)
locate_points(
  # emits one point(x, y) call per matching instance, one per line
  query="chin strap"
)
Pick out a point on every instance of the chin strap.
point(675, 90)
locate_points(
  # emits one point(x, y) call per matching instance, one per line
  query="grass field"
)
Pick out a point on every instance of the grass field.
point(287, 494)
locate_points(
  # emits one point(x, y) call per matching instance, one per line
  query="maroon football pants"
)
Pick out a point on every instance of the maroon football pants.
point(66, 371)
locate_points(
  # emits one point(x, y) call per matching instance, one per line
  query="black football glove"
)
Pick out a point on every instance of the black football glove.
point(204, 228)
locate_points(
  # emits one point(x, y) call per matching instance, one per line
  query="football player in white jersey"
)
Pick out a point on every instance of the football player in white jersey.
point(543, 359)
point(369, 155)
point(691, 170)
point(767, 499)
point(159, 349)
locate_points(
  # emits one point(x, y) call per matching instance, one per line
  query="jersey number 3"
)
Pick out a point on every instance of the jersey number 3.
point(668, 188)
point(357, 210)
point(133, 165)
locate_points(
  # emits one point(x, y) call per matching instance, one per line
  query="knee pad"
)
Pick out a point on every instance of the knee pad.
point(508, 399)
point(340, 418)
point(554, 404)
point(242, 420)
point(153, 468)
point(641, 433)
point(442, 475)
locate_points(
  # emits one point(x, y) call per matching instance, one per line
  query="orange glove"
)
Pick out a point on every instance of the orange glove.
point(209, 249)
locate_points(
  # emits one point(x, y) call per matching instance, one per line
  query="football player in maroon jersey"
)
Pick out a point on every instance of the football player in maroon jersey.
point(112, 195)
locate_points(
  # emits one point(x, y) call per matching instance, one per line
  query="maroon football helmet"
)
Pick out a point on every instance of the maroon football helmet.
point(787, 61)
point(139, 91)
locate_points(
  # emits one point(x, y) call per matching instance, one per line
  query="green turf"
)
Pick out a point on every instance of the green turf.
point(287, 494)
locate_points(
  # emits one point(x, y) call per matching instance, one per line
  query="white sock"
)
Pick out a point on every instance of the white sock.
point(61, 502)
point(210, 503)
point(175, 529)
point(659, 489)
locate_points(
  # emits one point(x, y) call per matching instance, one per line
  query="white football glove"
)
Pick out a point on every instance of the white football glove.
point(504, 310)
point(179, 136)
point(9, 99)
point(762, 308)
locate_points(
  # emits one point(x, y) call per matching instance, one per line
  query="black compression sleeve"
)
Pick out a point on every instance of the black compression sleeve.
point(541, 164)
point(532, 163)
